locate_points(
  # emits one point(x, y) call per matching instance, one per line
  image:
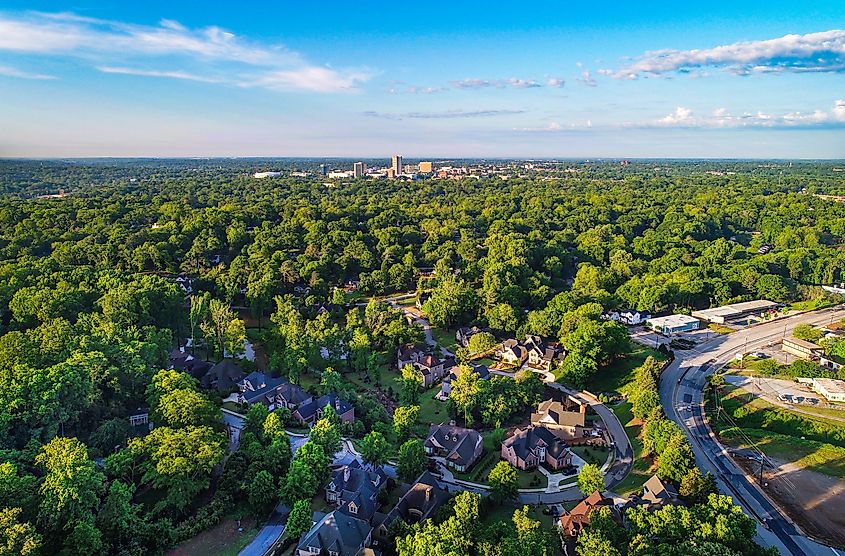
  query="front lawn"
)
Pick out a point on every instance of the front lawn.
point(619, 376)
point(592, 454)
point(445, 337)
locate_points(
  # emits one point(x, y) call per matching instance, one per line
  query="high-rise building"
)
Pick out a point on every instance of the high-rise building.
point(358, 169)
point(323, 169)
point(425, 167)
point(396, 164)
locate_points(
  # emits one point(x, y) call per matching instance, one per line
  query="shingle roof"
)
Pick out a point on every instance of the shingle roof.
point(527, 441)
point(337, 532)
point(460, 444)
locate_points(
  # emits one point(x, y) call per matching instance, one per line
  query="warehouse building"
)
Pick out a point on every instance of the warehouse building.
point(736, 312)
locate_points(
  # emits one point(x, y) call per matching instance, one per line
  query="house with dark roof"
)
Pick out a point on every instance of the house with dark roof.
point(311, 412)
point(355, 478)
point(422, 357)
point(464, 333)
point(224, 376)
point(336, 534)
point(532, 446)
point(419, 502)
point(258, 387)
point(568, 416)
point(446, 386)
point(183, 361)
point(459, 447)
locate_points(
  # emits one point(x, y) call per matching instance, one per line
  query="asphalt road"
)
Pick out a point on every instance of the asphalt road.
point(269, 534)
point(681, 396)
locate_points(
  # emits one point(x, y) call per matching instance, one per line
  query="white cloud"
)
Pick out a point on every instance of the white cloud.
point(156, 73)
point(722, 118)
point(813, 52)
point(448, 114)
point(555, 82)
point(681, 115)
point(513, 82)
point(122, 47)
point(9, 71)
point(586, 78)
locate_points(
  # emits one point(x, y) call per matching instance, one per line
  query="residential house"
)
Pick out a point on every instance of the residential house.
point(539, 355)
point(658, 493)
point(532, 446)
point(355, 478)
point(464, 333)
point(573, 522)
point(422, 357)
point(446, 387)
point(224, 376)
point(336, 534)
point(311, 412)
point(187, 363)
point(512, 353)
point(569, 417)
point(273, 392)
point(459, 447)
point(632, 317)
point(418, 503)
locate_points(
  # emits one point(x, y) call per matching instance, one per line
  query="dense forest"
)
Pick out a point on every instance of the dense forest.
point(90, 309)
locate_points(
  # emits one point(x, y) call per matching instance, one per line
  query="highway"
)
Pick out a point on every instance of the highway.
point(681, 395)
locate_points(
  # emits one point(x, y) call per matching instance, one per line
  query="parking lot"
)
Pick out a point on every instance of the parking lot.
point(777, 391)
point(680, 341)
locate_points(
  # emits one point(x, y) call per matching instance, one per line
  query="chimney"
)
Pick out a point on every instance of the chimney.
point(346, 474)
point(428, 495)
point(337, 404)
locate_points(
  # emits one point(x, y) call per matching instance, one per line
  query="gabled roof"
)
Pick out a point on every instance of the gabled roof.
point(309, 410)
point(337, 532)
point(579, 518)
point(656, 491)
point(226, 374)
point(552, 412)
point(528, 441)
point(459, 443)
point(424, 497)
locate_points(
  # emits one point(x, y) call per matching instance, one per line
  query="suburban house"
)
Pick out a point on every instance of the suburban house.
point(446, 387)
point(357, 484)
point(418, 503)
point(336, 534)
point(422, 357)
point(632, 317)
point(658, 493)
point(568, 417)
point(464, 333)
point(573, 522)
point(513, 353)
point(802, 348)
point(533, 352)
point(224, 376)
point(187, 363)
point(309, 413)
point(460, 447)
point(273, 392)
point(532, 446)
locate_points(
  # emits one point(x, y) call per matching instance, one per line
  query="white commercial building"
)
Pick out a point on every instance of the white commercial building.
point(736, 311)
point(260, 175)
point(673, 324)
point(833, 390)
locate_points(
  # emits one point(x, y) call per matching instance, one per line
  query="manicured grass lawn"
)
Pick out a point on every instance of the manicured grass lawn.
point(445, 337)
point(504, 512)
point(431, 411)
point(812, 304)
point(592, 454)
point(532, 479)
point(619, 376)
point(642, 468)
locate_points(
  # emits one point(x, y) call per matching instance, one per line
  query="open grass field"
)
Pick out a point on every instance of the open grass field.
point(224, 539)
point(619, 376)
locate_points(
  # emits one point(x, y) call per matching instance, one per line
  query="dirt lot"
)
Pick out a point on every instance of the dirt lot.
point(814, 501)
point(224, 539)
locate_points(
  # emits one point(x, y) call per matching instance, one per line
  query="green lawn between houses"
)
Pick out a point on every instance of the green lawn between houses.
point(619, 376)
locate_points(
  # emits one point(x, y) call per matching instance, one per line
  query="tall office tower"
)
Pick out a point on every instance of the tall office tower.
point(397, 165)
point(358, 170)
point(323, 169)
point(425, 167)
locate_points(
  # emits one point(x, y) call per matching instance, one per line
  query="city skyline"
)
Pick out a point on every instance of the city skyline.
point(755, 81)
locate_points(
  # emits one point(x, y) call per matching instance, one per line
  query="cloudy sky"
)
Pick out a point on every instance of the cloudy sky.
point(530, 79)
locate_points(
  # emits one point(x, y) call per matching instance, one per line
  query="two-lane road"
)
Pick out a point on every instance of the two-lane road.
point(681, 395)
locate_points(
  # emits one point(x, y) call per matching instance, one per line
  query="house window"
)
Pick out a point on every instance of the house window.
point(313, 550)
point(353, 508)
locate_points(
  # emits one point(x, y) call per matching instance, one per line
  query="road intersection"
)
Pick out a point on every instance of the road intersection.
point(681, 394)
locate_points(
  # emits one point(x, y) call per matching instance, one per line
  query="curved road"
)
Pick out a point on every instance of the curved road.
point(681, 395)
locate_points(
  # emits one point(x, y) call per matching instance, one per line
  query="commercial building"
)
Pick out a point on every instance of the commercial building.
point(324, 169)
point(425, 167)
point(358, 169)
point(833, 390)
point(801, 348)
point(396, 165)
point(736, 312)
point(673, 324)
point(260, 175)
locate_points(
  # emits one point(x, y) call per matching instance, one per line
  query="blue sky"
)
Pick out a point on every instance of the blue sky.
point(435, 79)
